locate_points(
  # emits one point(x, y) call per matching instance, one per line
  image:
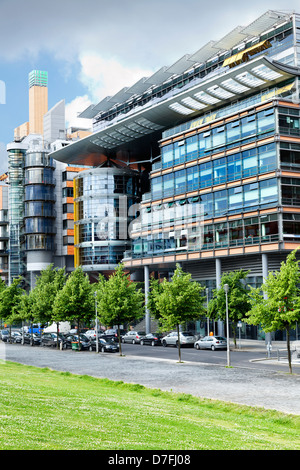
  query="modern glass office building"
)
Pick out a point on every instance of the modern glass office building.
point(102, 200)
point(220, 128)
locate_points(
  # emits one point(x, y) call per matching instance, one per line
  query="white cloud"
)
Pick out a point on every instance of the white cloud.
point(77, 105)
point(105, 77)
point(101, 77)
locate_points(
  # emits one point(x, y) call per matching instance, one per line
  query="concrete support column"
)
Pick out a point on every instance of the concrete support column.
point(147, 285)
point(218, 285)
point(265, 271)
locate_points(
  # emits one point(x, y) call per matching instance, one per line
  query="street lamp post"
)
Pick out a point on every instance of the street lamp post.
point(96, 310)
point(207, 311)
point(226, 289)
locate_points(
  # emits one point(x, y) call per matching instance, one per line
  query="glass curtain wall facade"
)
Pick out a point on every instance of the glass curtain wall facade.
point(224, 128)
point(16, 200)
point(102, 198)
point(229, 180)
point(39, 200)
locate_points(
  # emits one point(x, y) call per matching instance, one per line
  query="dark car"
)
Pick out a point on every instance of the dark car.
point(112, 333)
point(85, 342)
point(31, 339)
point(154, 339)
point(133, 337)
point(105, 345)
point(16, 337)
point(50, 339)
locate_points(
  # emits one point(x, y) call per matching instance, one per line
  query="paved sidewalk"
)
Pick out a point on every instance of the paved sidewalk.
point(272, 356)
point(258, 387)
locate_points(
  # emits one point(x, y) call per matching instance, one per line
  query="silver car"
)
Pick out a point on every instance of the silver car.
point(133, 337)
point(211, 342)
point(186, 339)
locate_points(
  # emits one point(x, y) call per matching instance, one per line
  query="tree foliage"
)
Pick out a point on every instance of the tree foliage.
point(118, 299)
point(75, 301)
point(276, 306)
point(178, 301)
point(48, 284)
point(238, 298)
point(10, 297)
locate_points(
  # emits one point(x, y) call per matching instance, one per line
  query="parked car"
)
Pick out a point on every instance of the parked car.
point(105, 345)
point(133, 337)
point(154, 339)
point(211, 342)
point(113, 334)
point(34, 338)
point(186, 339)
point(4, 335)
point(84, 341)
point(91, 334)
point(50, 339)
point(16, 336)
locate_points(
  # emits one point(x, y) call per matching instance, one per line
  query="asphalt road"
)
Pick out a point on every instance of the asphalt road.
point(255, 384)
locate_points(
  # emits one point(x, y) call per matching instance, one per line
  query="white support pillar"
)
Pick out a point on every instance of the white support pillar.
point(146, 282)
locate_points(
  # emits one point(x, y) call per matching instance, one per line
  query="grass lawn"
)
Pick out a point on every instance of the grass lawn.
point(48, 410)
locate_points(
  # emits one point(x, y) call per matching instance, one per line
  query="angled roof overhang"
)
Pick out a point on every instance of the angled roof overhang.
point(129, 131)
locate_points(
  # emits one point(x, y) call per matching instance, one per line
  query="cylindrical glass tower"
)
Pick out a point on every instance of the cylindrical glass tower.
point(102, 199)
point(39, 213)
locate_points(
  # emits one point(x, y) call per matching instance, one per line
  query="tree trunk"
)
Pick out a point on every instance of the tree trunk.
point(57, 331)
point(79, 347)
point(119, 339)
point(179, 348)
point(31, 334)
point(289, 347)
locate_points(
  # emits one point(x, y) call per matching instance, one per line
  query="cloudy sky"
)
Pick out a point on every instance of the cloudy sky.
point(93, 48)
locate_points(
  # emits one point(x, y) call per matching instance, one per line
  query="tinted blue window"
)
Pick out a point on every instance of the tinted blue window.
point(234, 167)
point(191, 147)
point(168, 184)
point(219, 170)
point(205, 171)
point(249, 161)
point(248, 126)
point(233, 131)
point(167, 155)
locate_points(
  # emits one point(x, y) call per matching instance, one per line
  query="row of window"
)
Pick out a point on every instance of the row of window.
point(39, 175)
point(103, 207)
point(203, 143)
point(101, 255)
point(105, 182)
point(249, 231)
point(38, 192)
point(39, 159)
point(232, 167)
point(39, 225)
point(39, 242)
point(103, 230)
point(242, 232)
point(238, 199)
point(39, 208)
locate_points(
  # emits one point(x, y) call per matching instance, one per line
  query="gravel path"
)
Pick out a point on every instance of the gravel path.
point(254, 387)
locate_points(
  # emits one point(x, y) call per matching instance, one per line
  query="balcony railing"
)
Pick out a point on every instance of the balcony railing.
point(243, 242)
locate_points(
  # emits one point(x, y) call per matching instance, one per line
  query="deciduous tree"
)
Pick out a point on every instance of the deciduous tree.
point(279, 309)
point(118, 300)
point(75, 301)
point(238, 299)
point(178, 301)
